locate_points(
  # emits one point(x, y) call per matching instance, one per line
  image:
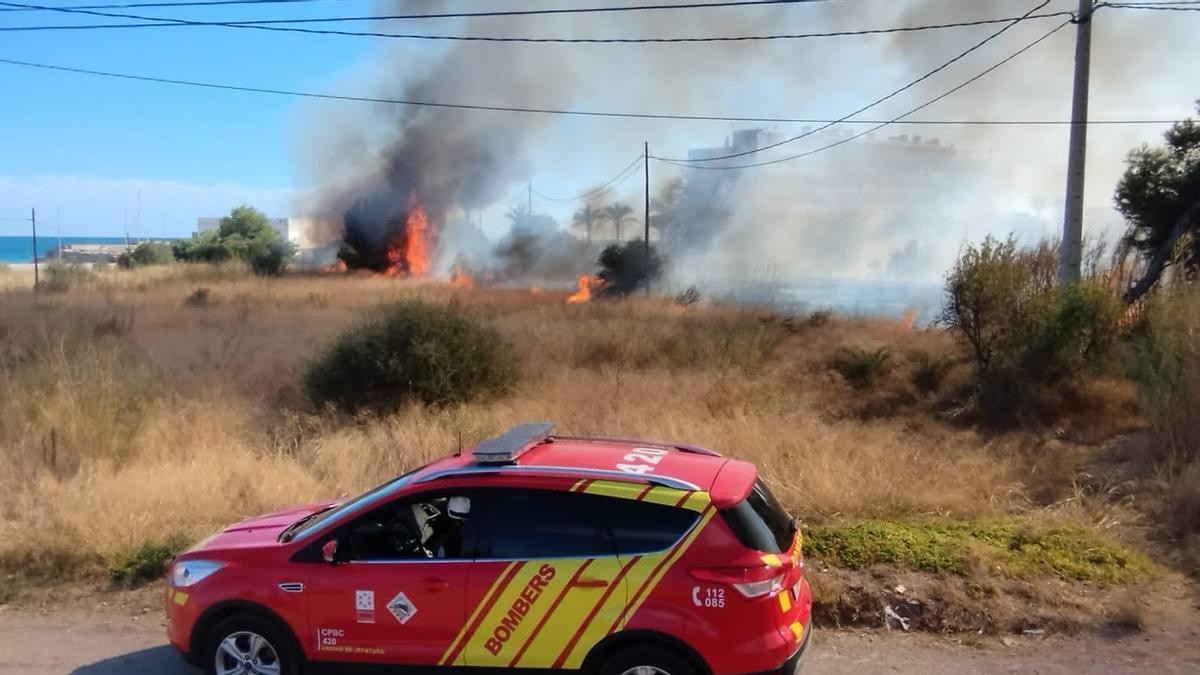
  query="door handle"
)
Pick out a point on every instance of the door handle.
point(586, 582)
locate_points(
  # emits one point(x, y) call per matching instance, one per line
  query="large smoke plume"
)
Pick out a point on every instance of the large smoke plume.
point(367, 165)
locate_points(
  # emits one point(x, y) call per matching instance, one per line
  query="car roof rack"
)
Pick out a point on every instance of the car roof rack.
point(682, 447)
point(508, 446)
point(568, 471)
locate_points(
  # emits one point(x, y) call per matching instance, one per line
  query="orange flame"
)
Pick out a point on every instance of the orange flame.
point(587, 283)
point(460, 279)
point(408, 256)
point(908, 320)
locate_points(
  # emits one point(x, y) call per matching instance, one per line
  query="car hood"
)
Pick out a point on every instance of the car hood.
point(260, 530)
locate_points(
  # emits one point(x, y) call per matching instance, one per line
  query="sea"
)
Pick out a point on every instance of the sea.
point(20, 249)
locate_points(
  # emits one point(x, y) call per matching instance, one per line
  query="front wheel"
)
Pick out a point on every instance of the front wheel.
point(246, 644)
point(647, 660)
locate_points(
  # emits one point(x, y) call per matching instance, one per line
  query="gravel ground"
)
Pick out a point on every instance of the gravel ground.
point(127, 638)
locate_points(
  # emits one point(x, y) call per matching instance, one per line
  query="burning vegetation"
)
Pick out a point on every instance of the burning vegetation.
point(399, 245)
point(587, 284)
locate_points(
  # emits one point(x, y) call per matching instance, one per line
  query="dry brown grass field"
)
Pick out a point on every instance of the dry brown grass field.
point(129, 414)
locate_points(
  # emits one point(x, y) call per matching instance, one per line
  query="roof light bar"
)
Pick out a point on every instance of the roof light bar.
point(508, 446)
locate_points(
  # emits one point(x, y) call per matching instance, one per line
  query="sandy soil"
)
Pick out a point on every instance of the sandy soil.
point(124, 634)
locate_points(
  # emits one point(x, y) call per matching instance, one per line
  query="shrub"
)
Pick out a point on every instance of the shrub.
point(147, 562)
point(1168, 374)
point(1023, 330)
point(147, 253)
point(625, 268)
point(59, 276)
point(819, 317)
point(198, 298)
point(862, 367)
point(245, 234)
point(411, 351)
point(1014, 548)
point(928, 370)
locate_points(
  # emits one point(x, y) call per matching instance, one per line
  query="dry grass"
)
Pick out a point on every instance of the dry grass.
point(127, 414)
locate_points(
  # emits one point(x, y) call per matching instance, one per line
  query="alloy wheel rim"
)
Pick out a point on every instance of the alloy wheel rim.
point(246, 653)
point(645, 670)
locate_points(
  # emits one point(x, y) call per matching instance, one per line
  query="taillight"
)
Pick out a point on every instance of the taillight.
point(751, 582)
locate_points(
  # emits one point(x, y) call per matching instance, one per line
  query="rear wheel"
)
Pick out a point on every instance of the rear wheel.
point(248, 644)
point(647, 660)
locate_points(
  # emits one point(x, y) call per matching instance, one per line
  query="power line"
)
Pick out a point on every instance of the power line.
point(962, 55)
point(546, 111)
point(441, 15)
point(854, 137)
point(623, 174)
point(1154, 8)
point(169, 22)
point(195, 3)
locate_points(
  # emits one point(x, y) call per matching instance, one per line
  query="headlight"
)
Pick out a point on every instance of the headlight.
point(191, 572)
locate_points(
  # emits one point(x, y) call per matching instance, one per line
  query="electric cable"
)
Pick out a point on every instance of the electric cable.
point(854, 137)
point(960, 56)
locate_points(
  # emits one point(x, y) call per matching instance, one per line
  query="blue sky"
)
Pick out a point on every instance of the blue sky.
point(85, 146)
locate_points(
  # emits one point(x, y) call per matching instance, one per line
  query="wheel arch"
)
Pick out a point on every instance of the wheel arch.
point(214, 615)
point(611, 644)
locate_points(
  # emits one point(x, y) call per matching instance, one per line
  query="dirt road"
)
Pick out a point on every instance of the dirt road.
point(106, 640)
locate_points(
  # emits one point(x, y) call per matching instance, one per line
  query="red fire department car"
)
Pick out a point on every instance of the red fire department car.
point(531, 551)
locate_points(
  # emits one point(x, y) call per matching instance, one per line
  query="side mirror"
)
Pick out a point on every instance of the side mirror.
point(329, 551)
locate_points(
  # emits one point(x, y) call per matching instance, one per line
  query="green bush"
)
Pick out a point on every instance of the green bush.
point(411, 351)
point(1023, 330)
point(862, 367)
point(147, 562)
point(245, 234)
point(147, 253)
point(1009, 546)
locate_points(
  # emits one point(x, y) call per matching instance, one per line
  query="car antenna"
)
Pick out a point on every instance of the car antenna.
point(459, 452)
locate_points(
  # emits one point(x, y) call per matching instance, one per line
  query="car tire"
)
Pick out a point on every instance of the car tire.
point(257, 639)
point(647, 660)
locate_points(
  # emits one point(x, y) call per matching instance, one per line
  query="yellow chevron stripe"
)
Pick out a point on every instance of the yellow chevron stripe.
point(611, 488)
point(663, 495)
point(797, 630)
point(575, 605)
point(773, 560)
point(475, 613)
point(785, 601)
point(598, 627)
point(697, 501)
point(641, 574)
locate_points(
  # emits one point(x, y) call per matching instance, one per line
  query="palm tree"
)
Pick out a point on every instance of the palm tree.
point(585, 217)
point(618, 213)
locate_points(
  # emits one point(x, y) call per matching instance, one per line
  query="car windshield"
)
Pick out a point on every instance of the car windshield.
point(312, 521)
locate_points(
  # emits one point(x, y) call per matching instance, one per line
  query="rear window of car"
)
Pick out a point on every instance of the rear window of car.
point(643, 527)
point(760, 522)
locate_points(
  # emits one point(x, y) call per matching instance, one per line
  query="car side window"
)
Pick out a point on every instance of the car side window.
point(644, 527)
point(415, 529)
point(525, 524)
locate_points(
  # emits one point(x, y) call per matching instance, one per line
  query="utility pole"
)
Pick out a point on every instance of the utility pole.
point(1072, 238)
point(58, 225)
point(529, 196)
point(646, 219)
point(33, 221)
